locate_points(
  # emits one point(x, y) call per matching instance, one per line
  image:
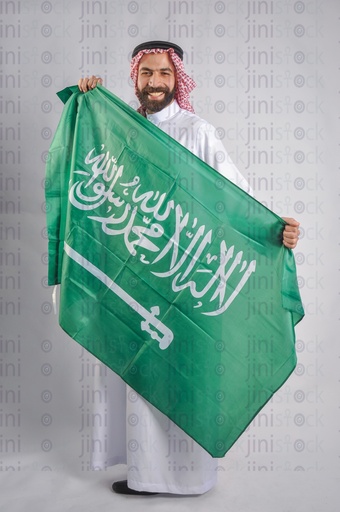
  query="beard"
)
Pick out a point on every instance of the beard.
point(153, 106)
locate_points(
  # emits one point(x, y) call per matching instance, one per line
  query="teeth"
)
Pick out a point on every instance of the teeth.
point(156, 94)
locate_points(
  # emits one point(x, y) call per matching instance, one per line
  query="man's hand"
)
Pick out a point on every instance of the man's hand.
point(89, 82)
point(291, 232)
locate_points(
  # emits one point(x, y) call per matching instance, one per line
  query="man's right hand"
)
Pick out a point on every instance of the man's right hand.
point(89, 82)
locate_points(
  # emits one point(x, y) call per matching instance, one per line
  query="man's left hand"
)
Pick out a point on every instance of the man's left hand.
point(291, 232)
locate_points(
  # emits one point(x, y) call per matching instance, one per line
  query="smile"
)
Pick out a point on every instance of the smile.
point(155, 94)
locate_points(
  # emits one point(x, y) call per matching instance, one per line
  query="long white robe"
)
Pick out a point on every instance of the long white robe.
point(160, 457)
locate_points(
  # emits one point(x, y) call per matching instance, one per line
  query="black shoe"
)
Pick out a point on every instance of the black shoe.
point(122, 488)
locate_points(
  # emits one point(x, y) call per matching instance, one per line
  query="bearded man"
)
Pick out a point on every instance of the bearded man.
point(160, 457)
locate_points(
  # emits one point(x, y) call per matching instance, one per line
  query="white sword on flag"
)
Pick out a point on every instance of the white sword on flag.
point(150, 317)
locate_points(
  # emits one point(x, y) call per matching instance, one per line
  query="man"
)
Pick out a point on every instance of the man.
point(160, 456)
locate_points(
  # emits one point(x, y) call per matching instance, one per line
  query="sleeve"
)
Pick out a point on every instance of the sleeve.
point(211, 150)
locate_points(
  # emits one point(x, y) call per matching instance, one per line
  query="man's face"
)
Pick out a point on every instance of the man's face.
point(156, 81)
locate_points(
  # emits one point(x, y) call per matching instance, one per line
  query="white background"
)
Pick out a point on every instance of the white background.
point(267, 74)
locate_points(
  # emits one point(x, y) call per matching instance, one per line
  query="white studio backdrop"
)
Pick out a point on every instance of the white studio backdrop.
point(267, 76)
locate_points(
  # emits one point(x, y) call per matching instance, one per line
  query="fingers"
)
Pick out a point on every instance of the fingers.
point(88, 83)
point(291, 222)
point(291, 233)
point(290, 240)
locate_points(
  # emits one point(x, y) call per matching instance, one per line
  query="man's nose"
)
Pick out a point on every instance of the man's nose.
point(154, 80)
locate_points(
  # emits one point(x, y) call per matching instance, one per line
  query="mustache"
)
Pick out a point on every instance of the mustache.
point(148, 89)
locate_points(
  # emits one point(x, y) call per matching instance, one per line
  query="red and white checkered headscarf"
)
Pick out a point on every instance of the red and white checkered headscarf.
point(184, 83)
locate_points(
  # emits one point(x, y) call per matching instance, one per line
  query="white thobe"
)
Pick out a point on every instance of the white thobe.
point(160, 457)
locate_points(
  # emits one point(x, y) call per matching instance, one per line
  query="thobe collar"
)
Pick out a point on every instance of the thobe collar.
point(164, 114)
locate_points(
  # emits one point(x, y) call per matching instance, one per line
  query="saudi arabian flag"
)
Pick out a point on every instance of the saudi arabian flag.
point(180, 285)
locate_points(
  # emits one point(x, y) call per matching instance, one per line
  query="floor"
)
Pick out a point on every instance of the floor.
point(69, 490)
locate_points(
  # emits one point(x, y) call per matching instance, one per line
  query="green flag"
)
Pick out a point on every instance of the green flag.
point(171, 275)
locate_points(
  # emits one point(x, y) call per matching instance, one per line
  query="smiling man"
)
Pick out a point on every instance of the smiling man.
point(156, 82)
point(160, 456)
